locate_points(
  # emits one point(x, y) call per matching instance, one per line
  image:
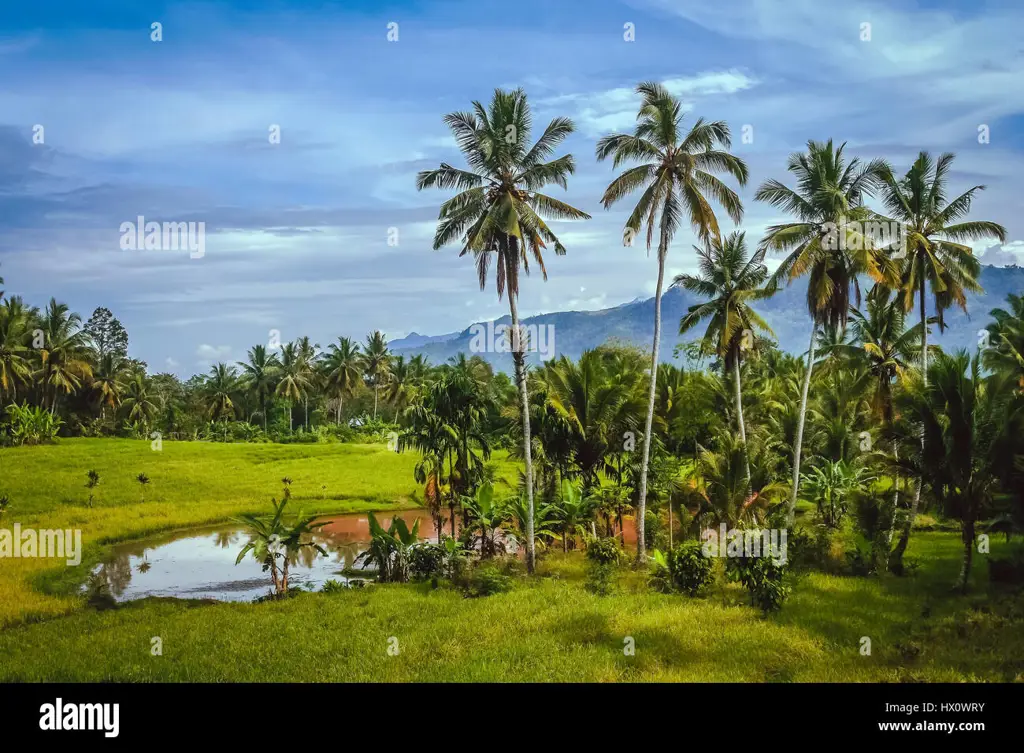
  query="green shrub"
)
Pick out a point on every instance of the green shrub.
point(426, 560)
point(605, 551)
point(485, 581)
point(765, 580)
point(691, 572)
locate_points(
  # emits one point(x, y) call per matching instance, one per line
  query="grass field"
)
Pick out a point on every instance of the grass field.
point(545, 628)
point(191, 483)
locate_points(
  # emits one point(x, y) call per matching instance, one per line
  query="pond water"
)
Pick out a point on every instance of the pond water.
point(200, 563)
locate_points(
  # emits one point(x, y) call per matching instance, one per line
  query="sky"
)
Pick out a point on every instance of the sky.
point(322, 232)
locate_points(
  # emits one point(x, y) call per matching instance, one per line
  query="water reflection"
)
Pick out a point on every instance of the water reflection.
point(200, 563)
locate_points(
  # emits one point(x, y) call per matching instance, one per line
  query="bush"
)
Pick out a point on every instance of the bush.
point(485, 581)
point(606, 551)
point(811, 549)
point(333, 587)
point(31, 425)
point(765, 579)
point(427, 561)
point(691, 572)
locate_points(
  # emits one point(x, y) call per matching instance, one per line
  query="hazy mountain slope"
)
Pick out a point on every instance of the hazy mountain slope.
point(576, 331)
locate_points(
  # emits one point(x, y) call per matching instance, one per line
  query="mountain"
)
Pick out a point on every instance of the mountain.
point(572, 332)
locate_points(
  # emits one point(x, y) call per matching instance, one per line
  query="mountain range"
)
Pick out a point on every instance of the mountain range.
point(786, 313)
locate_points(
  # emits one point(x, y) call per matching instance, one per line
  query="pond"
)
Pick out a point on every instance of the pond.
point(200, 563)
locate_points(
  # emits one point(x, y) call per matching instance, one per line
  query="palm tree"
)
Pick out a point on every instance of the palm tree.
point(1004, 355)
point(259, 374)
point(499, 213)
point(308, 353)
point(292, 382)
point(15, 367)
point(400, 385)
point(829, 192)
point(968, 440)
point(221, 389)
point(143, 480)
point(376, 362)
point(64, 355)
point(678, 176)
point(107, 381)
point(935, 257)
point(272, 539)
point(730, 280)
point(136, 401)
point(341, 370)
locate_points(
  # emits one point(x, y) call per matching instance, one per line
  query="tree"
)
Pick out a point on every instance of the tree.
point(825, 246)
point(730, 280)
point(376, 363)
point(678, 176)
point(341, 371)
point(15, 364)
point(108, 336)
point(499, 212)
point(292, 381)
point(934, 256)
point(221, 389)
point(137, 402)
point(107, 381)
point(63, 358)
point(308, 353)
point(957, 435)
point(259, 375)
point(272, 539)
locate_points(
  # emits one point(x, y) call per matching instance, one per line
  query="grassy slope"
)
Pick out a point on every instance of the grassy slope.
point(191, 483)
point(550, 628)
point(546, 629)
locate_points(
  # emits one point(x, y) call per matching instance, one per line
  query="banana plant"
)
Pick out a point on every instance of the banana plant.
point(274, 542)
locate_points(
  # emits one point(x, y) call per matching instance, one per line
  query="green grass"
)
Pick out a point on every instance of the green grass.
point(545, 628)
point(191, 483)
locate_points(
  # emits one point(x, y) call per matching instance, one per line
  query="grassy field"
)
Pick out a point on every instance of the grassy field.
point(191, 483)
point(545, 628)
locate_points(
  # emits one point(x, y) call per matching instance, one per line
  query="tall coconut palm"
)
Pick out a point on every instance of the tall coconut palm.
point(308, 353)
point(730, 280)
point(108, 381)
point(15, 366)
point(498, 214)
point(966, 433)
point(292, 382)
point(824, 246)
point(137, 402)
point(677, 175)
point(376, 363)
point(401, 385)
point(221, 389)
point(259, 374)
point(63, 357)
point(935, 256)
point(341, 371)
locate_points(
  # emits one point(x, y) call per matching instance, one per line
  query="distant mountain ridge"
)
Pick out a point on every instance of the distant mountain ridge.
point(786, 313)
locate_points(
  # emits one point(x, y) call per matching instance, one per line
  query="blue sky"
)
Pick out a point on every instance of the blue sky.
point(297, 232)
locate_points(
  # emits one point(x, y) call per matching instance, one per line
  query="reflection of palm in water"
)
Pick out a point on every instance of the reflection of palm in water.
point(117, 574)
point(225, 539)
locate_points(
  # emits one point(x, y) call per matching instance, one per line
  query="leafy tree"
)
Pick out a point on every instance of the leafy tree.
point(108, 335)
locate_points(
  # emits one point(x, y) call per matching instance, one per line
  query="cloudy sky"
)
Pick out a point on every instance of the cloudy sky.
point(99, 125)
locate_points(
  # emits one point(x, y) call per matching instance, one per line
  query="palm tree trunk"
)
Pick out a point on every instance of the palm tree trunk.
point(896, 559)
point(641, 547)
point(374, 402)
point(798, 445)
point(519, 359)
point(968, 538)
point(739, 417)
